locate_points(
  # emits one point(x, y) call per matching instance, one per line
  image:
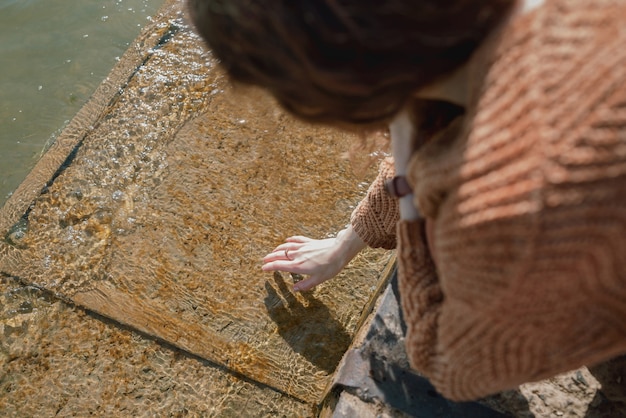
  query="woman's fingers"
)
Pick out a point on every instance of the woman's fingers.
point(307, 284)
point(288, 246)
point(318, 259)
point(285, 265)
point(299, 239)
point(281, 253)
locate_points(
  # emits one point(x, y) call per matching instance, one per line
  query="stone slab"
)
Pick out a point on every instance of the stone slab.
point(60, 360)
point(157, 204)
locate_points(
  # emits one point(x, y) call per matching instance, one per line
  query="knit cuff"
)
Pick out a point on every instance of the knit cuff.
point(374, 219)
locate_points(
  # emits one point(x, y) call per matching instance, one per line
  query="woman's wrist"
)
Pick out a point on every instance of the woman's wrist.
point(350, 244)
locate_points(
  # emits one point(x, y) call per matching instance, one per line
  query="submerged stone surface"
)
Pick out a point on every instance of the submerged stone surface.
point(159, 217)
point(57, 360)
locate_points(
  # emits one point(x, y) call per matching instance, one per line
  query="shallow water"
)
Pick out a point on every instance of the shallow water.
point(161, 218)
point(54, 53)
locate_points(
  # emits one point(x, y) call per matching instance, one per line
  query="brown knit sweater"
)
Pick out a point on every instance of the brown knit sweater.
point(529, 211)
point(375, 217)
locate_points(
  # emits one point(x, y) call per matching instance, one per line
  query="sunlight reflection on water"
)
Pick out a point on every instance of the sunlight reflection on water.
point(54, 54)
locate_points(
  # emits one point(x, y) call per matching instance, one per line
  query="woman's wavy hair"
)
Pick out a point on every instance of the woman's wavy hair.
point(344, 61)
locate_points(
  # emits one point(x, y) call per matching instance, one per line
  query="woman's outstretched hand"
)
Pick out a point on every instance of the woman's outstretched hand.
point(320, 259)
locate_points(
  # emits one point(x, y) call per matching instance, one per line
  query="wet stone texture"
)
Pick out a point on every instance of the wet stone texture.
point(159, 220)
point(168, 188)
point(56, 360)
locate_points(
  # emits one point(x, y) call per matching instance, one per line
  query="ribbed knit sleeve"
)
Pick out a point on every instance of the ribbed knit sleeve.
point(374, 219)
point(529, 211)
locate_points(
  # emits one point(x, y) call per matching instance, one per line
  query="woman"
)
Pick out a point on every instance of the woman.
point(522, 182)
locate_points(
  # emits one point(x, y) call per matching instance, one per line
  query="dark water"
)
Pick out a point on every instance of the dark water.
point(53, 55)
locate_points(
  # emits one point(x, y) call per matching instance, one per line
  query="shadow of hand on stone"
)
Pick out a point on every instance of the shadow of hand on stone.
point(306, 325)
